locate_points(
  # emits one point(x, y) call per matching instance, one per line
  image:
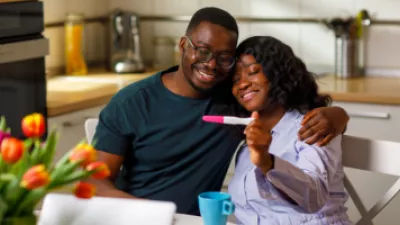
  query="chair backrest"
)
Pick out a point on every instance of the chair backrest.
point(90, 128)
point(375, 156)
point(66, 209)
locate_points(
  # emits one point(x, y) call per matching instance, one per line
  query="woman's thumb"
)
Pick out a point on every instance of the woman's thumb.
point(254, 115)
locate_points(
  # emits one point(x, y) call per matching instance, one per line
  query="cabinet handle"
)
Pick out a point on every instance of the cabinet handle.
point(72, 124)
point(374, 115)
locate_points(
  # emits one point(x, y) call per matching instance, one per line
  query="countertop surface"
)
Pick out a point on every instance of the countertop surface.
point(67, 94)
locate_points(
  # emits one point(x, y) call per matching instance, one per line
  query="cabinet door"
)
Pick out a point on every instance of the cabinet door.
point(375, 122)
point(372, 120)
point(71, 129)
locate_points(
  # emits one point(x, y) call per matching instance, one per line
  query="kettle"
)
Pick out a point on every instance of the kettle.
point(125, 55)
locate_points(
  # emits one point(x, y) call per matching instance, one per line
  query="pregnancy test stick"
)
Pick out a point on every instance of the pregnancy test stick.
point(228, 120)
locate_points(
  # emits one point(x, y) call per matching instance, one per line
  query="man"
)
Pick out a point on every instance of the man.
point(154, 127)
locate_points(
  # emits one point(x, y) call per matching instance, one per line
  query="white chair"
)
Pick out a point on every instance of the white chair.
point(90, 128)
point(375, 156)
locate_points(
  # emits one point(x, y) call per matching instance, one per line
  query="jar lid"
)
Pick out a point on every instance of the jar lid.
point(75, 17)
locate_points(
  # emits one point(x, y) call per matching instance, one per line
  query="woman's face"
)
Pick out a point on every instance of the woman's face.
point(250, 85)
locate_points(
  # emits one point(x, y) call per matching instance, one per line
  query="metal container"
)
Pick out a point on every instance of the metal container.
point(349, 48)
point(125, 53)
point(347, 57)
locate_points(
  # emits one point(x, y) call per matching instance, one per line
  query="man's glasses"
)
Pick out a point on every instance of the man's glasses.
point(204, 55)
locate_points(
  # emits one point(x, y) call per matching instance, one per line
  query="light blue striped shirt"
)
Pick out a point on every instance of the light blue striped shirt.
point(304, 187)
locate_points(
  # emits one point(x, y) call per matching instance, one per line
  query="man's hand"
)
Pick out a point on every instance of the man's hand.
point(258, 140)
point(321, 125)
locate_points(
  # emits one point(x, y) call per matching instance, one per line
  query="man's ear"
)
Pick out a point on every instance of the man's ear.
point(182, 45)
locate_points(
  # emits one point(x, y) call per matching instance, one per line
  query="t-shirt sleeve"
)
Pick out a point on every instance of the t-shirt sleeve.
point(109, 136)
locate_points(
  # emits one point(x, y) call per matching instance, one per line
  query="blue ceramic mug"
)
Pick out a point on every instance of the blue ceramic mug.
point(215, 207)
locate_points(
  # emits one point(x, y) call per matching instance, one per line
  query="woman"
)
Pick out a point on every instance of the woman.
point(278, 178)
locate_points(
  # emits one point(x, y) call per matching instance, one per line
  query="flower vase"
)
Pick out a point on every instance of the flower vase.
point(19, 220)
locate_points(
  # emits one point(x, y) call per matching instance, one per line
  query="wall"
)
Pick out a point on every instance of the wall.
point(313, 42)
point(56, 10)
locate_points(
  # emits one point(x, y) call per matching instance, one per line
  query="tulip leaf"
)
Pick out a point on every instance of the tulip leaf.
point(58, 175)
point(76, 176)
point(3, 208)
point(30, 200)
point(6, 178)
point(3, 125)
point(2, 165)
point(34, 156)
point(12, 192)
point(63, 161)
point(28, 143)
point(49, 150)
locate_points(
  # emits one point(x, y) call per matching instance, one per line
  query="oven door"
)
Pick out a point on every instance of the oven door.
point(22, 81)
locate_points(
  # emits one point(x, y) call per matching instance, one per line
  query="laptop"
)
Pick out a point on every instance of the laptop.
point(66, 209)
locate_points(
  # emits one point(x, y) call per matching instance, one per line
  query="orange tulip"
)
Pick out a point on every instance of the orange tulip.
point(11, 149)
point(4, 135)
point(84, 190)
point(83, 152)
point(102, 170)
point(33, 125)
point(35, 177)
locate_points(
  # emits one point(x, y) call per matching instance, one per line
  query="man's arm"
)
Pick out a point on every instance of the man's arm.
point(106, 187)
point(111, 143)
point(323, 124)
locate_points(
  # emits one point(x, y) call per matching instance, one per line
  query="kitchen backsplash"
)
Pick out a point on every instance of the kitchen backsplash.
point(313, 42)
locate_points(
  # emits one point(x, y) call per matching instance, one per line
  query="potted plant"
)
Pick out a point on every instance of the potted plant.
point(27, 172)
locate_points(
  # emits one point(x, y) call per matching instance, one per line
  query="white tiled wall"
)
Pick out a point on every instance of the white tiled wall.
point(94, 41)
point(313, 42)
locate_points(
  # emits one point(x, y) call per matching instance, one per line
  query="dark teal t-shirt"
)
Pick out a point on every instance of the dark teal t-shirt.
point(170, 153)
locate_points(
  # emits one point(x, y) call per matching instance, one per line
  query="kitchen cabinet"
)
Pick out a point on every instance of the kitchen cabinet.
point(71, 128)
point(380, 122)
point(372, 120)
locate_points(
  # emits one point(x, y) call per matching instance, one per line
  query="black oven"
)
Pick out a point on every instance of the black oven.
point(22, 62)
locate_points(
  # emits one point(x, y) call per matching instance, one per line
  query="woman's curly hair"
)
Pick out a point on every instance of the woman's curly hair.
point(290, 83)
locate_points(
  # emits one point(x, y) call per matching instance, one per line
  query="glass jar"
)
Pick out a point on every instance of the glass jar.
point(163, 53)
point(74, 58)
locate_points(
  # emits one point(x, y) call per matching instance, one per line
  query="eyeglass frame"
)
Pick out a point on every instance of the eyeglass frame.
point(213, 54)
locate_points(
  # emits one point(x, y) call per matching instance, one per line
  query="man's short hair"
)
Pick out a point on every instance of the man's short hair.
point(215, 16)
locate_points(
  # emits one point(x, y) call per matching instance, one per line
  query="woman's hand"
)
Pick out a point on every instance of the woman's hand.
point(258, 140)
point(321, 125)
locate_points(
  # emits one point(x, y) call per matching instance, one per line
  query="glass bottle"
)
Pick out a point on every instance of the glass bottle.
point(75, 62)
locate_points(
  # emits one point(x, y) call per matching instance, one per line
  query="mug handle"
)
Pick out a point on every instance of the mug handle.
point(228, 208)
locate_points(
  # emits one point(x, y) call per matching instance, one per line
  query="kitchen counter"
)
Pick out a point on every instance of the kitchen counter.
point(373, 90)
point(68, 94)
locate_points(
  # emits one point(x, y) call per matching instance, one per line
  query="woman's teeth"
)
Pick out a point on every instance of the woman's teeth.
point(248, 96)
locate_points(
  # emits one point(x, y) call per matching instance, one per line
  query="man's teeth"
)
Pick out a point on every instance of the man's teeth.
point(248, 94)
point(206, 75)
